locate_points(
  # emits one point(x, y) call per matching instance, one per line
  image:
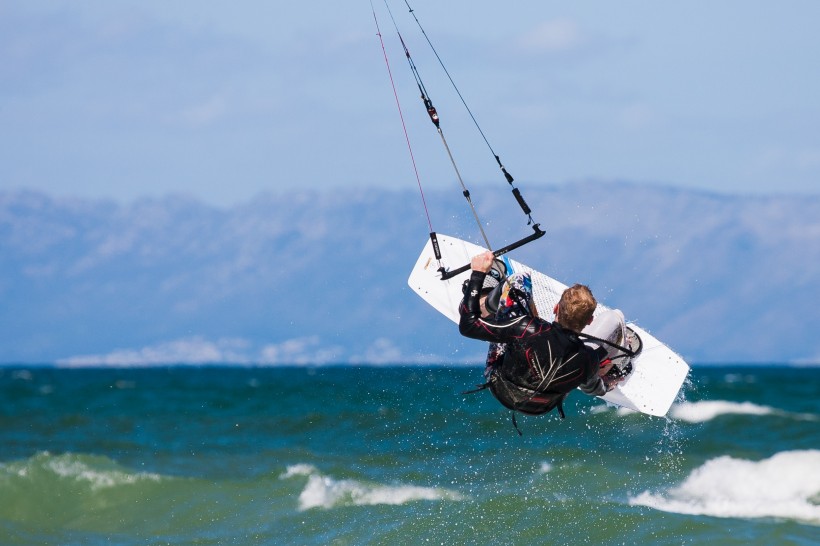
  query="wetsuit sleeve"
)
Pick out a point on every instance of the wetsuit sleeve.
point(470, 309)
point(594, 385)
point(472, 294)
point(472, 325)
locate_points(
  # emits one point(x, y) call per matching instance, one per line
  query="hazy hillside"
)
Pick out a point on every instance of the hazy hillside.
point(321, 277)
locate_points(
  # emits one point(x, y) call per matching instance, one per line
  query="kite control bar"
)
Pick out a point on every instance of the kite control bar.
point(446, 275)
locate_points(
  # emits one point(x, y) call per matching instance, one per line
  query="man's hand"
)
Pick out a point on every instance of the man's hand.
point(605, 366)
point(482, 262)
point(610, 381)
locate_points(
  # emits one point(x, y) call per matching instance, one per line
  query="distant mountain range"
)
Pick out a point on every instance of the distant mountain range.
point(321, 277)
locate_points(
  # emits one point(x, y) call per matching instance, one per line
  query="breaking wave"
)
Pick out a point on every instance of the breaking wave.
point(95, 473)
point(322, 491)
point(786, 485)
point(706, 410)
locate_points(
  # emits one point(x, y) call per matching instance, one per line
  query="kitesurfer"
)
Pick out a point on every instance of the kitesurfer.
point(533, 364)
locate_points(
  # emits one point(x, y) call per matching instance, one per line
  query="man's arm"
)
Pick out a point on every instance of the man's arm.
point(471, 324)
point(594, 386)
point(598, 383)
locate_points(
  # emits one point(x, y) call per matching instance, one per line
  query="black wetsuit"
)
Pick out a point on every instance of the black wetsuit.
point(542, 361)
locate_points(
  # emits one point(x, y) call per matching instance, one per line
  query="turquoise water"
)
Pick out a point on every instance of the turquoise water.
point(395, 455)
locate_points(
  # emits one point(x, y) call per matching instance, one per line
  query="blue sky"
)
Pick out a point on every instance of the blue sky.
point(223, 101)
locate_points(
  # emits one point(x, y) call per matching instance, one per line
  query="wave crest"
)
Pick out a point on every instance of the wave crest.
point(96, 472)
point(322, 491)
point(785, 485)
point(706, 410)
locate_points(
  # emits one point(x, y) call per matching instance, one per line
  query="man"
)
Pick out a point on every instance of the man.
point(533, 364)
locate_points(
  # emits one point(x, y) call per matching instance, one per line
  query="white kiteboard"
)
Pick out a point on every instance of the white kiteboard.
point(657, 373)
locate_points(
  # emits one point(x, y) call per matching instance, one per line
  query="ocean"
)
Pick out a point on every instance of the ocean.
point(396, 455)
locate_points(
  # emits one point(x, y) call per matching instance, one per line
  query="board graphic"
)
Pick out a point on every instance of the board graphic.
point(657, 372)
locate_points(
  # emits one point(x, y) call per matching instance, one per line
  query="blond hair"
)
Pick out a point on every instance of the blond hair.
point(576, 307)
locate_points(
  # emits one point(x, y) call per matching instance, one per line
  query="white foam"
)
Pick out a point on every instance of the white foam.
point(706, 410)
point(607, 406)
point(785, 485)
point(67, 467)
point(299, 470)
point(325, 492)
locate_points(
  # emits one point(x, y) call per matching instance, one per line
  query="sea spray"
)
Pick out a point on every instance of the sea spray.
point(392, 455)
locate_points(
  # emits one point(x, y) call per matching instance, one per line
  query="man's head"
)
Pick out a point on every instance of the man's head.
point(574, 310)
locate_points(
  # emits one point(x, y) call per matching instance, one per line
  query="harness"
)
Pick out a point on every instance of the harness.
point(521, 399)
point(518, 398)
point(527, 400)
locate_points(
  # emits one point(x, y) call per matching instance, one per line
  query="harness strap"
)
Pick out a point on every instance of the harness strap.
point(560, 408)
point(515, 423)
point(478, 388)
point(626, 351)
point(486, 385)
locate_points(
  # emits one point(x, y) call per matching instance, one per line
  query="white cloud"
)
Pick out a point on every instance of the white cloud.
point(301, 351)
point(304, 350)
point(198, 350)
point(381, 351)
point(384, 351)
point(205, 112)
point(189, 350)
point(554, 35)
